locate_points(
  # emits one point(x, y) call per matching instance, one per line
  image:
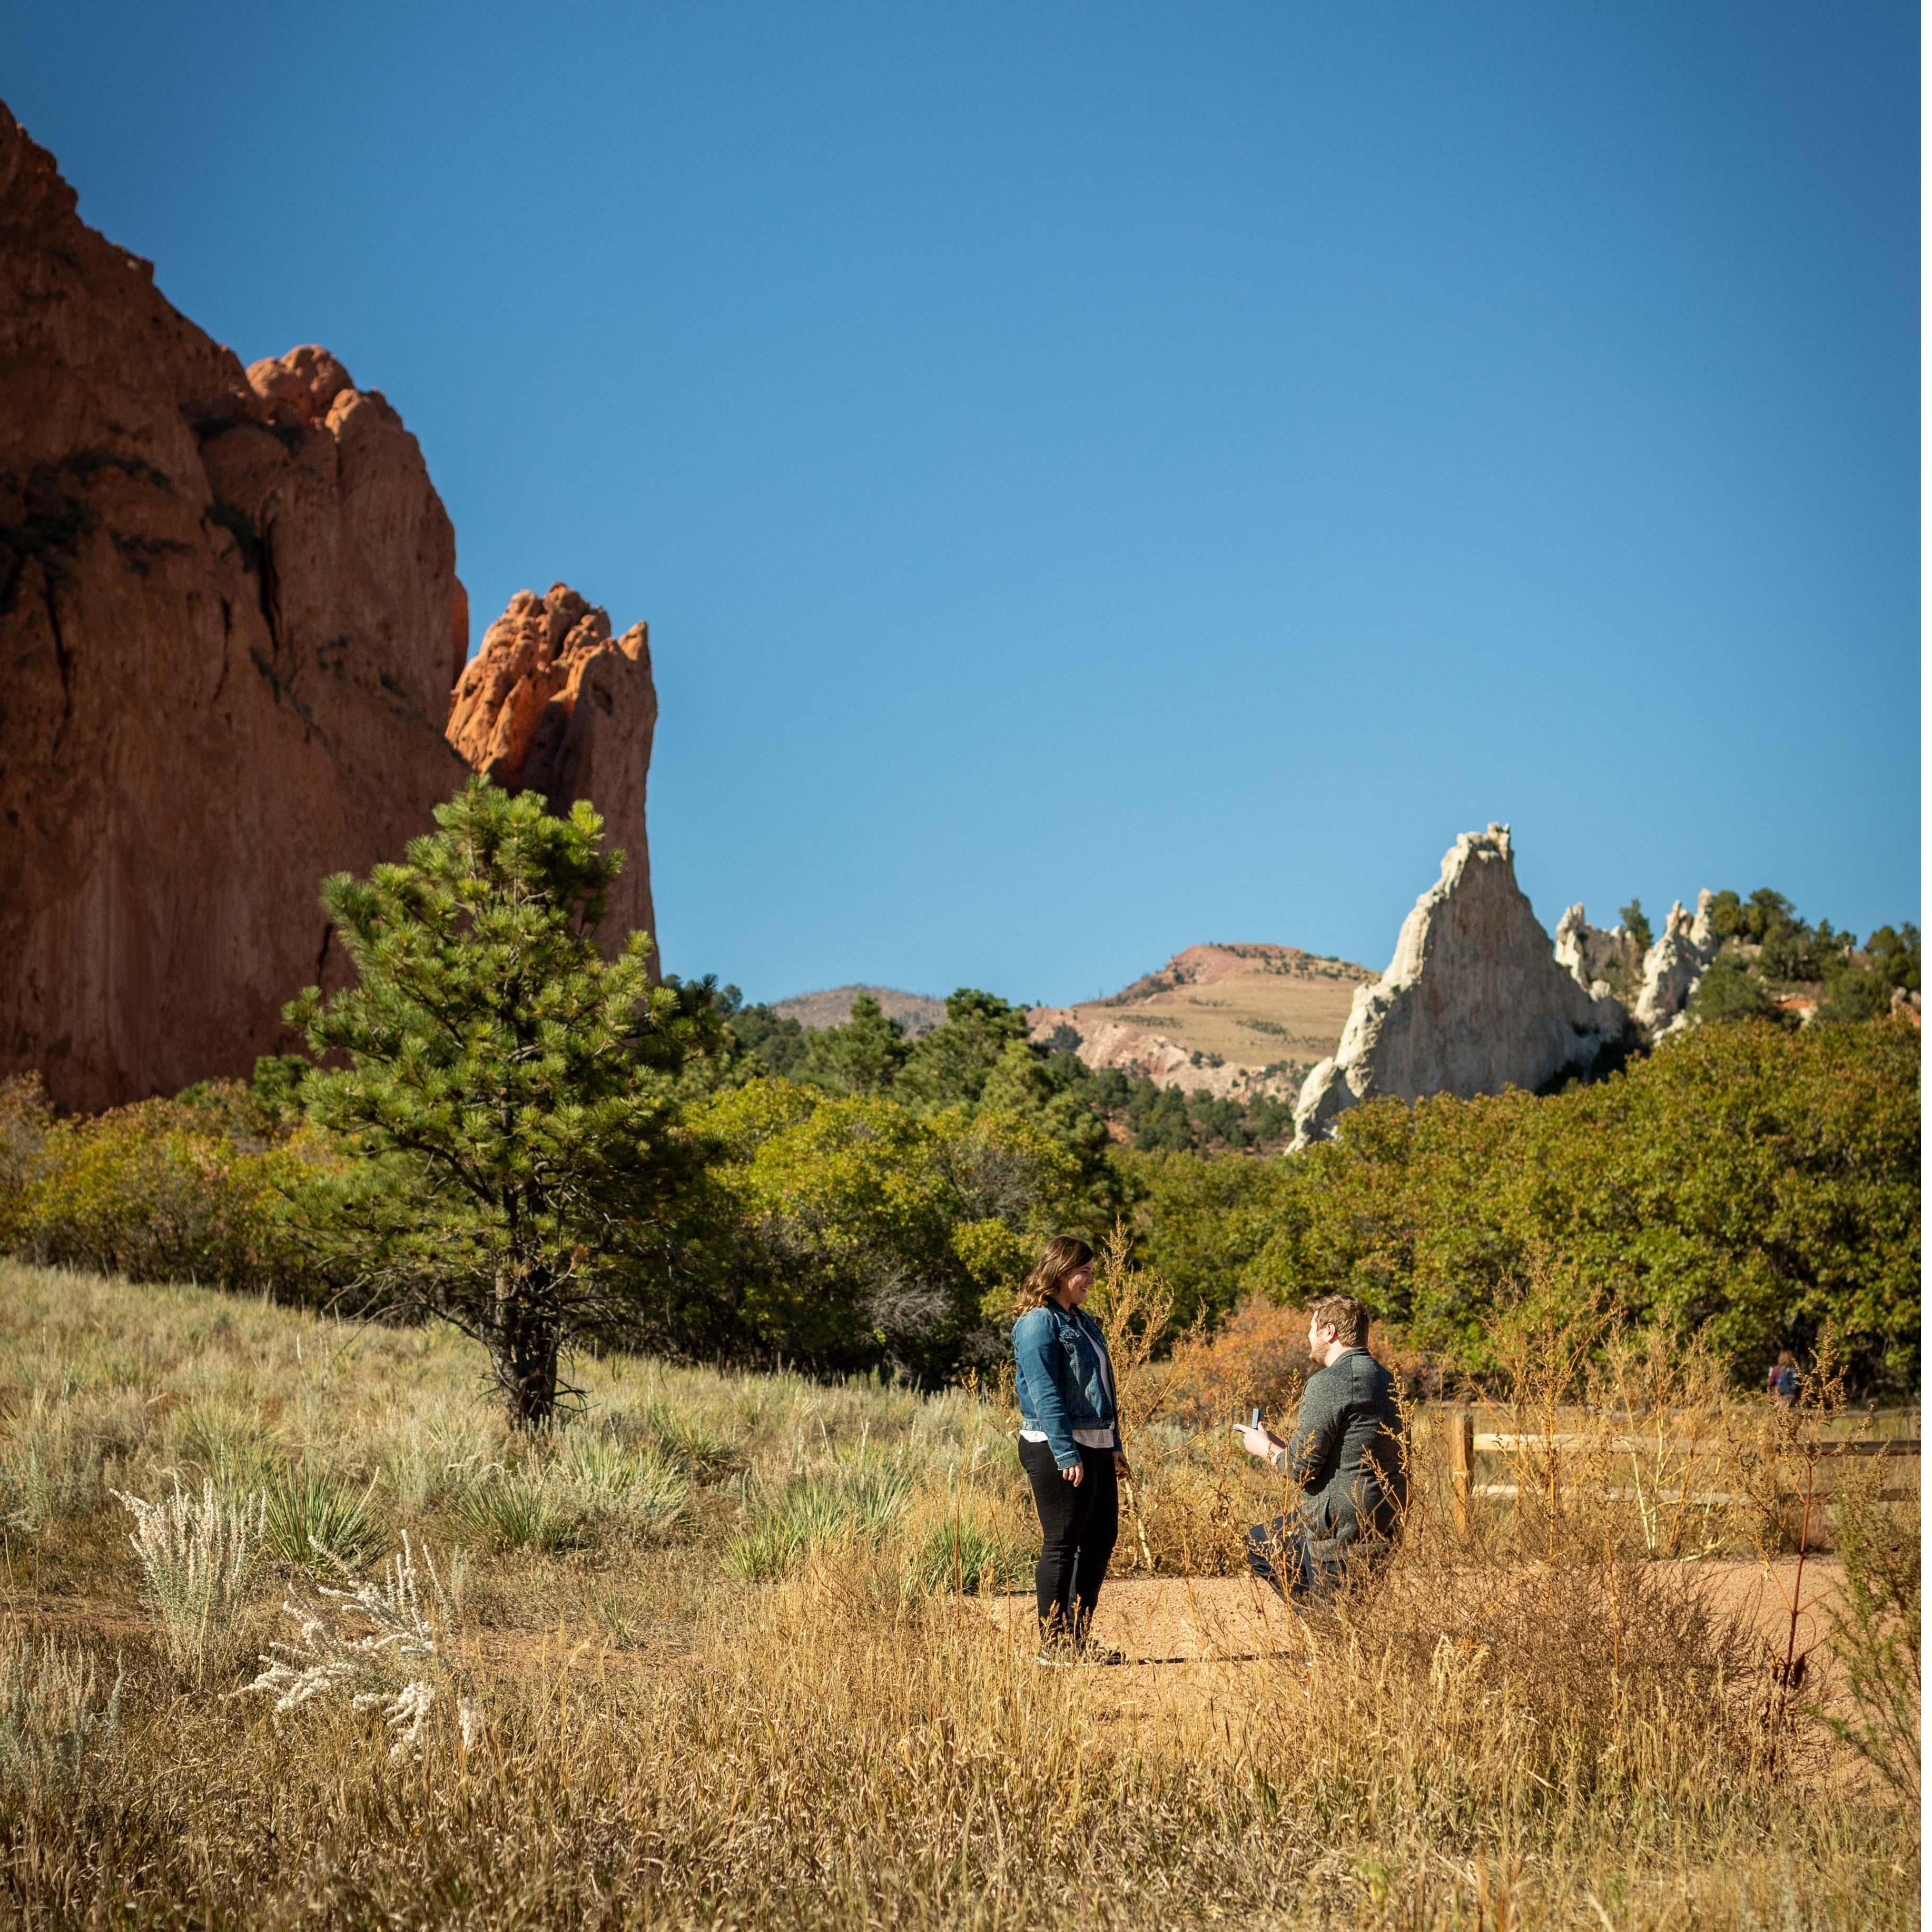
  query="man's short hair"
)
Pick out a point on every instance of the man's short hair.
point(1348, 1317)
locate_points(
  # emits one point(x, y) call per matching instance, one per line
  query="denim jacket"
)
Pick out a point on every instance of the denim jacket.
point(1062, 1375)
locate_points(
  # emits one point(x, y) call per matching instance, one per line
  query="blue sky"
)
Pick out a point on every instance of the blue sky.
point(1102, 479)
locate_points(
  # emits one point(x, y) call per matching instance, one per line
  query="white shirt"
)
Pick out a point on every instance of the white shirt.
point(1087, 1438)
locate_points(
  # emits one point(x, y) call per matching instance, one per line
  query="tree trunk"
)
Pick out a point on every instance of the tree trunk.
point(524, 1350)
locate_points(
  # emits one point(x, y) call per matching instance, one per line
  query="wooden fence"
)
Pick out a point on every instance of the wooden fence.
point(1464, 1442)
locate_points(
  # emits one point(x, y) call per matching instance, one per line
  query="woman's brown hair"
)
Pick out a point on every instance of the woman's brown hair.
point(1064, 1253)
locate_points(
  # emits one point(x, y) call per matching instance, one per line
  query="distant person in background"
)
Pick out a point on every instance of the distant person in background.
point(1348, 1454)
point(1069, 1447)
point(1781, 1381)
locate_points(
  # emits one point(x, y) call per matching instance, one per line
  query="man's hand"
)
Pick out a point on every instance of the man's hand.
point(1121, 1471)
point(1263, 1443)
point(1074, 1474)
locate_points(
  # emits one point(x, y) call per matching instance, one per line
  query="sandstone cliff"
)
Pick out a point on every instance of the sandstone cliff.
point(552, 703)
point(230, 624)
point(1474, 1000)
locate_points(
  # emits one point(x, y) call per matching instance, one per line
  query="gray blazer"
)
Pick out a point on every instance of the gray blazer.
point(1346, 1451)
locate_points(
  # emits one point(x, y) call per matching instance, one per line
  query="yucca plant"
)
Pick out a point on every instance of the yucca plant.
point(704, 1452)
point(314, 1518)
point(811, 1512)
point(959, 1553)
point(637, 1492)
point(229, 1444)
point(521, 1512)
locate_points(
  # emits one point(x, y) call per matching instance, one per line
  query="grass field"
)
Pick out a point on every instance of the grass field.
point(738, 1650)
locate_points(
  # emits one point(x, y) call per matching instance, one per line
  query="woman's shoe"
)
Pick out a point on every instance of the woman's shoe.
point(1091, 1652)
point(1058, 1653)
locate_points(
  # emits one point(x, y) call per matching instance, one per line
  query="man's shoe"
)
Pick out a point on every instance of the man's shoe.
point(1057, 1653)
point(1091, 1652)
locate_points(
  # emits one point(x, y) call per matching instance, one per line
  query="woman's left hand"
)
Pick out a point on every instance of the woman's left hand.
point(1120, 1469)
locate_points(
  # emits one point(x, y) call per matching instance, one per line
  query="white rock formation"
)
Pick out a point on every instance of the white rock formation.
point(1673, 966)
point(1590, 955)
point(1473, 1002)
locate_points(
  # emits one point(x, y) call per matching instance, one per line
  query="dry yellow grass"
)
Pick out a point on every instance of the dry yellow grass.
point(772, 1705)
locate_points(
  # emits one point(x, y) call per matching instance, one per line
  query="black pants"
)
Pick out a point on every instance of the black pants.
point(1303, 1565)
point(1284, 1556)
point(1078, 1526)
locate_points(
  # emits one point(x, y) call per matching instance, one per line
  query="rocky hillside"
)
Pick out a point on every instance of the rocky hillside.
point(917, 1012)
point(1236, 1021)
point(230, 624)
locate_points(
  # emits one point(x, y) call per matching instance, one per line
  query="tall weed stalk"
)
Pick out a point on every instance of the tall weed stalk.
point(198, 1555)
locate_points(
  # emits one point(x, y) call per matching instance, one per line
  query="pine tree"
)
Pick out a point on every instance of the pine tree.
point(950, 1066)
point(516, 1161)
point(866, 1055)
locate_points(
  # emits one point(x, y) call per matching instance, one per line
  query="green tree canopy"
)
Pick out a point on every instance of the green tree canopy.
point(1730, 988)
point(863, 1230)
point(1895, 954)
point(1746, 1181)
point(774, 1040)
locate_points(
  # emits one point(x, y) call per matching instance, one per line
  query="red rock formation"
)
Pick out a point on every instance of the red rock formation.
point(552, 703)
point(229, 623)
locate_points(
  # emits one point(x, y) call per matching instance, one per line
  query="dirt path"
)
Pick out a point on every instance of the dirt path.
point(1225, 1619)
point(1200, 1629)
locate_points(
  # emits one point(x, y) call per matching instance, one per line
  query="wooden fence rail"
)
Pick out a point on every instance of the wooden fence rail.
point(1465, 1443)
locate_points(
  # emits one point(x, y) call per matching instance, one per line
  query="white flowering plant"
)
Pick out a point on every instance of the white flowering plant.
point(386, 1645)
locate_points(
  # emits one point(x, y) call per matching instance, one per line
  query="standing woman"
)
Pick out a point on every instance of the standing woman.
point(1070, 1447)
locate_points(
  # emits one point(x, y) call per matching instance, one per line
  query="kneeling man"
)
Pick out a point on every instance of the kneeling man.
point(1346, 1453)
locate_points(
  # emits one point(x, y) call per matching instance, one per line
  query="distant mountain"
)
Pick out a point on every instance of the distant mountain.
point(1238, 1020)
point(917, 1012)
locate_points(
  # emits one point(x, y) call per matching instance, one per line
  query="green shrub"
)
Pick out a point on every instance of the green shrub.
point(1746, 1182)
point(1731, 989)
point(1853, 993)
point(25, 1118)
point(163, 1190)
